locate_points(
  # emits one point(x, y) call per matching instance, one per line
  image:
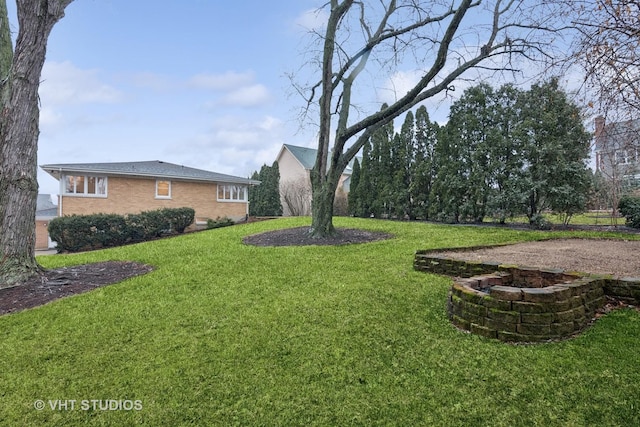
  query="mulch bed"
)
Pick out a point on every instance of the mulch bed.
point(61, 282)
point(300, 236)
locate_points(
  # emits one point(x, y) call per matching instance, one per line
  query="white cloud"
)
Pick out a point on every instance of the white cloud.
point(64, 83)
point(249, 96)
point(153, 81)
point(225, 82)
point(398, 85)
point(235, 145)
point(312, 19)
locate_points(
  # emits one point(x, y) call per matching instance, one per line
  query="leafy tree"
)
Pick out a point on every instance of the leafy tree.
point(264, 199)
point(19, 129)
point(507, 155)
point(556, 151)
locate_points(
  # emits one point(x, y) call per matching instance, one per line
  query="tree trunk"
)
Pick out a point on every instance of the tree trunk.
point(19, 130)
point(322, 208)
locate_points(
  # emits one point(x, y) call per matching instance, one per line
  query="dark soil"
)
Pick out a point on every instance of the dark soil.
point(61, 282)
point(300, 236)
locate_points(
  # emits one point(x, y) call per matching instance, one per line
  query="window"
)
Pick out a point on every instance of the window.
point(86, 185)
point(163, 189)
point(627, 156)
point(232, 193)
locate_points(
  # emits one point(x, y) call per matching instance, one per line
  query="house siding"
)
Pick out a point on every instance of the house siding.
point(42, 235)
point(293, 177)
point(135, 195)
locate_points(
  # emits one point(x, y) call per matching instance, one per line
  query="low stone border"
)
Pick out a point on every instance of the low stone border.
point(523, 304)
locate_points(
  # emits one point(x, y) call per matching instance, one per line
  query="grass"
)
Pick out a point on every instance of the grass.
point(227, 334)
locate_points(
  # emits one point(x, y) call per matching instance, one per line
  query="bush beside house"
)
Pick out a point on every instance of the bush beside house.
point(86, 232)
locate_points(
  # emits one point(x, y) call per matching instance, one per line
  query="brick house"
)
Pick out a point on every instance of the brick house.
point(295, 164)
point(133, 187)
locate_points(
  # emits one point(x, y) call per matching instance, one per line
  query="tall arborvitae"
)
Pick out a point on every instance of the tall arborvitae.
point(264, 199)
point(424, 167)
point(354, 201)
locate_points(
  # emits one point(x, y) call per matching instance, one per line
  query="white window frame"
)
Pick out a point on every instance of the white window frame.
point(85, 183)
point(163, 196)
point(232, 193)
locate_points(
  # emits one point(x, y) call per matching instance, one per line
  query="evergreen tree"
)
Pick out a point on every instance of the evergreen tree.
point(556, 152)
point(424, 167)
point(264, 199)
point(354, 201)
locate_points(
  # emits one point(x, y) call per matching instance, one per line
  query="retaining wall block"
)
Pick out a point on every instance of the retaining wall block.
point(559, 306)
point(562, 329)
point(461, 322)
point(475, 309)
point(507, 293)
point(457, 305)
point(575, 301)
point(562, 293)
point(533, 329)
point(483, 331)
point(478, 320)
point(491, 302)
point(503, 316)
point(566, 316)
point(541, 319)
point(538, 295)
point(501, 326)
point(472, 295)
point(528, 307)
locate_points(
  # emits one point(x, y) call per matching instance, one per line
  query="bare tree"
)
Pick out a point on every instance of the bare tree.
point(20, 72)
point(608, 50)
point(296, 197)
point(442, 41)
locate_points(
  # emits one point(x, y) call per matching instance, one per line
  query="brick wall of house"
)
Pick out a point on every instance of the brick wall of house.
point(133, 195)
point(42, 235)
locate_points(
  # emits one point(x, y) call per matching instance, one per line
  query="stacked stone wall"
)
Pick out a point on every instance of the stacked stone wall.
point(523, 304)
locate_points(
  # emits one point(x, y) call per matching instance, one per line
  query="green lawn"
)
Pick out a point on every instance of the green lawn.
point(227, 334)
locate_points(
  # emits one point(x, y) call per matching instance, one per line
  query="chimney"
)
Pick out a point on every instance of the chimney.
point(599, 122)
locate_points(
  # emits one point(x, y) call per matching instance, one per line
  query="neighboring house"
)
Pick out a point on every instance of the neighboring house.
point(295, 164)
point(133, 187)
point(45, 212)
point(617, 149)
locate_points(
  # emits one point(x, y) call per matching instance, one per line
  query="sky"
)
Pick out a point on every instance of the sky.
point(201, 83)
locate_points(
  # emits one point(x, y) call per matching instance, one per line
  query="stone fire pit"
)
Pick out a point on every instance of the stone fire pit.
point(522, 304)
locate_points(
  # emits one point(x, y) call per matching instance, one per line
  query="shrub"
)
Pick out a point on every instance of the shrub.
point(539, 222)
point(219, 222)
point(179, 218)
point(84, 232)
point(629, 207)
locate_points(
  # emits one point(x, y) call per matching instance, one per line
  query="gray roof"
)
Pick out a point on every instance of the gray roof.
point(45, 206)
point(307, 157)
point(154, 168)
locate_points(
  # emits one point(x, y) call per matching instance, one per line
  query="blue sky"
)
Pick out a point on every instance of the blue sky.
point(198, 82)
point(201, 83)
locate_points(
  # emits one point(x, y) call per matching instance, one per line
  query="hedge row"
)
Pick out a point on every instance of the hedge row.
point(630, 208)
point(85, 232)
